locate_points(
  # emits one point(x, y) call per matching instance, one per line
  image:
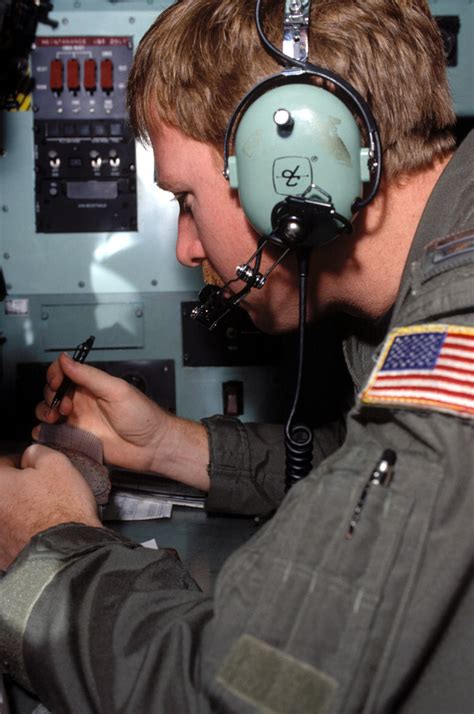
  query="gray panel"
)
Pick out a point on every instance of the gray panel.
point(92, 189)
point(198, 389)
point(117, 326)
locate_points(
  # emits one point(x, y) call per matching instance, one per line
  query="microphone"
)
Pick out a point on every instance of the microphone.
point(214, 305)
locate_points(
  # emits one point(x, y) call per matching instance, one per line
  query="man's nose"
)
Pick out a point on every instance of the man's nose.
point(189, 249)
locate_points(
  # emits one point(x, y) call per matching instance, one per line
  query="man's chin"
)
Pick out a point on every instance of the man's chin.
point(268, 323)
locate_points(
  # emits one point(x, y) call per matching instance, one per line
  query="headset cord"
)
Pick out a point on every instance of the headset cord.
point(299, 437)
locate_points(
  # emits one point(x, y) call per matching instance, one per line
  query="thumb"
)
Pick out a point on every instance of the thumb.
point(101, 384)
point(33, 455)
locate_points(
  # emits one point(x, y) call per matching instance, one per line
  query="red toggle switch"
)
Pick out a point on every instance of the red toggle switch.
point(107, 75)
point(56, 76)
point(73, 78)
point(90, 75)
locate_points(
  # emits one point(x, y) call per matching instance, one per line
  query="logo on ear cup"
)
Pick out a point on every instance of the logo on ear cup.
point(292, 175)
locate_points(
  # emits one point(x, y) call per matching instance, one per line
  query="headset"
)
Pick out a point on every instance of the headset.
point(297, 150)
point(293, 149)
point(298, 162)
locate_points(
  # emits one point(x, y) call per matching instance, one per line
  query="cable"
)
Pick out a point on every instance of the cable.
point(299, 437)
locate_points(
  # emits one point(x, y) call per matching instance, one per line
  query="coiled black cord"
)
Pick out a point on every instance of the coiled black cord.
point(299, 437)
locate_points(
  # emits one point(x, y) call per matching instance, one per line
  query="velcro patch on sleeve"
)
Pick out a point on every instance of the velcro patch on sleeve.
point(274, 682)
point(425, 367)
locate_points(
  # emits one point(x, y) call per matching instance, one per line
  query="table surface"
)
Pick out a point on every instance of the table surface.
point(203, 540)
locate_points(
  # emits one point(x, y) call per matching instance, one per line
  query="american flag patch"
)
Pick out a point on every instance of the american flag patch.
point(427, 367)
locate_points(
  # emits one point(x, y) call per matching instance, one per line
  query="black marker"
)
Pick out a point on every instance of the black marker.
point(80, 354)
point(380, 476)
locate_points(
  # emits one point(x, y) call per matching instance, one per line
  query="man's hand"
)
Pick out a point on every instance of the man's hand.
point(135, 432)
point(45, 491)
point(130, 426)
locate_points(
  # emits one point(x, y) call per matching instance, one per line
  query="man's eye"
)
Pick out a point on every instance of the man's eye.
point(183, 201)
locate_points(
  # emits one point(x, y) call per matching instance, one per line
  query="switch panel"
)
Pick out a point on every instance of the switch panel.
point(85, 167)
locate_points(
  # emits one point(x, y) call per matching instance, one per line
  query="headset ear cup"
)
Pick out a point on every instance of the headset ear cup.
point(315, 156)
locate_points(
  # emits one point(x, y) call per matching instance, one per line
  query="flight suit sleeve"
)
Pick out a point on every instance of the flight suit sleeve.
point(87, 618)
point(247, 462)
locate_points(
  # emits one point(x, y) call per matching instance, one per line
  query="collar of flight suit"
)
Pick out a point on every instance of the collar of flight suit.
point(446, 200)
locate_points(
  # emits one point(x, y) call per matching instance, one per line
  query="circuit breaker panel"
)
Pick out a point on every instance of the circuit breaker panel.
point(85, 167)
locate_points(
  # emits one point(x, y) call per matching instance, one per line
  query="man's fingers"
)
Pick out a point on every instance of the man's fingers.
point(30, 456)
point(10, 460)
point(48, 393)
point(101, 384)
point(36, 453)
point(54, 375)
point(43, 412)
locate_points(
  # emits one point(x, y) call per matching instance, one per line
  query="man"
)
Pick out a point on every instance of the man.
point(355, 595)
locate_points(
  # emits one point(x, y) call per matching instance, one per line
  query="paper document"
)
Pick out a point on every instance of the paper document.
point(124, 506)
point(150, 544)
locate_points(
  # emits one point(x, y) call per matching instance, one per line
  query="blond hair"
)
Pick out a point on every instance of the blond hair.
point(200, 57)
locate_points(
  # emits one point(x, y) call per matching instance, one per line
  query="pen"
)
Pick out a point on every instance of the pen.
point(80, 354)
point(380, 476)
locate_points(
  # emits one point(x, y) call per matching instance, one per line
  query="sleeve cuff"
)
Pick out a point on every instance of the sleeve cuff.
point(22, 585)
point(246, 466)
